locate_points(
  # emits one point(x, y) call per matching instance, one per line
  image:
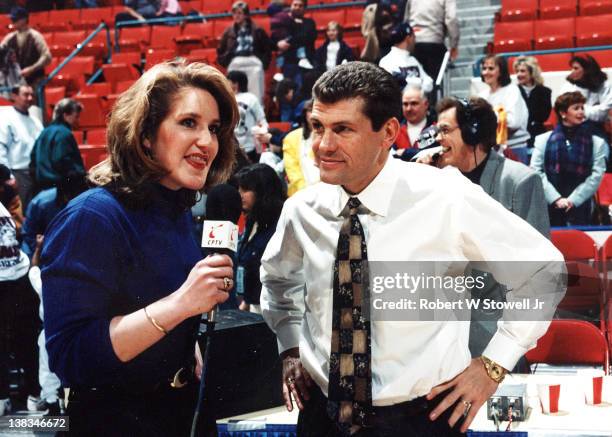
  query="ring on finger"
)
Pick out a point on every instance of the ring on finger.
point(227, 282)
point(467, 406)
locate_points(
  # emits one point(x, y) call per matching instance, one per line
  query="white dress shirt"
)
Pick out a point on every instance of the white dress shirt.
point(416, 213)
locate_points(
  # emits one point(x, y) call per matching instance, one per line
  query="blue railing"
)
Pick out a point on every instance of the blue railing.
point(40, 91)
point(476, 65)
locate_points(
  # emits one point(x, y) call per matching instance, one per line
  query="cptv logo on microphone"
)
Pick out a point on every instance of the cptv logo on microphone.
point(220, 235)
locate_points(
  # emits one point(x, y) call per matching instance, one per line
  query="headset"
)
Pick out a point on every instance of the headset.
point(470, 128)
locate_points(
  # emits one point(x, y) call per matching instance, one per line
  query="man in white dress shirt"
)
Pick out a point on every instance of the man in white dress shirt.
point(423, 379)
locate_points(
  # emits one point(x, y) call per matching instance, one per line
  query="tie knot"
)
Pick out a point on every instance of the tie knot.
point(353, 203)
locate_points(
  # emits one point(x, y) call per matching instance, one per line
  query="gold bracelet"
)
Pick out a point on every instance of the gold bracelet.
point(154, 322)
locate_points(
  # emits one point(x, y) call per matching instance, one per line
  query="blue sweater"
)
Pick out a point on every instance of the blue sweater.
point(41, 210)
point(101, 260)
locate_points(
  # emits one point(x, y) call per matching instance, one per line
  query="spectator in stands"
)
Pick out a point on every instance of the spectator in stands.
point(262, 201)
point(588, 78)
point(29, 45)
point(169, 8)
point(334, 51)
point(417, 117)
point(18, 132)
point(124, 289)
point(245, 47)
point(511, 109)
point(433, 22)
point(298, 156)
point(251, 115)
point(571, 161)
point(288, 99)
point(273, 156)
point(536, 95)
point(19, 323)
point(10, 72)
point(9, 197)
point(47, 204)
point(294, 36)
point(138, 10)
point(401, 64)
point(56, 152)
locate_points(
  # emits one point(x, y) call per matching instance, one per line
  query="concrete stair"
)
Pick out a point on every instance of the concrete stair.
point(476, 27)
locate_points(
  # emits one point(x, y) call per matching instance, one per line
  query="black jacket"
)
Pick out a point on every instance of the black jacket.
point(344, 53)
point(539, 106)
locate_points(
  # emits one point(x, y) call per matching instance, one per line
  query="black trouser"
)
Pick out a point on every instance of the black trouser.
point(408, 419)
point(19, 329)
point(578, 215)
point(162, 412)
point(430, 55)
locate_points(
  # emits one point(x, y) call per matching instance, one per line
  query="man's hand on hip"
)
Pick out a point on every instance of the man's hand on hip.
point(296, 380)
point(469, 391)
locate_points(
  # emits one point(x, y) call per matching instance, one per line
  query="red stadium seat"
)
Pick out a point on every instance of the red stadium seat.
point(585, 293)
point(217, 6)
point(74, 74)
point(595, 7)
point(64, 16)
point(324, 16)
point(509, 37)
point(353, 18)
point(518, 10)
point(94, 113)
point(163, 37)
point(571, 342)
point(193, 5)
point(123, 85)
point(91, 154)
point(208, 56)
point(119, 72)
point(96, 137)
point(100, 88)
point(550, 62)
point(194, 36)
point(52, 96)
point(92, 17)
point(65, 43)
point(78, 136)
point(156, 56)
point(283, 126)
point(38, 18)
point(575, 245)
point(594, 30)
point(134, 39)
point(220, 25)
point(554, 34)
point(603, 57)
point(557, 9)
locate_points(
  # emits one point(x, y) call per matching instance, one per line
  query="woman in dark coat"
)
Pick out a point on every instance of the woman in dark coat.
point(536, 95)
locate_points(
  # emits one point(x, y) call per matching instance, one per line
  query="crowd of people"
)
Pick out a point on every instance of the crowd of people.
point(123, 281)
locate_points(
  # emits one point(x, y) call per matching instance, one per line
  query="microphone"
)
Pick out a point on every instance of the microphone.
point(220, 234)
point(428, 146)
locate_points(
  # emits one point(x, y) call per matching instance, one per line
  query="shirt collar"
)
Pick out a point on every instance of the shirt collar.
point(376, 197)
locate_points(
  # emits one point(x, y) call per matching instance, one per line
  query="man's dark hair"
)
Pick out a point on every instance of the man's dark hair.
point(380, 92)
point(481, 111)
point(18, 13)
point(502, 64)
point(70, 186)
point(282, 88)
point(240, 78)
point(66, 106)
point(593, 77)
point(399, 33)
point(5, 173)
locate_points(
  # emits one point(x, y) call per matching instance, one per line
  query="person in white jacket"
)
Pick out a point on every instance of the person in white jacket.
point(571, 162)
point(401, 64)
point(509, 105)
point(587, 78)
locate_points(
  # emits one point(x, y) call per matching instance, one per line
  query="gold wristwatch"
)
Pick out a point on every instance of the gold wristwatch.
point(496, 372)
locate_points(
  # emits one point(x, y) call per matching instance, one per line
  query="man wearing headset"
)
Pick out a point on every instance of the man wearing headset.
point(466, 132)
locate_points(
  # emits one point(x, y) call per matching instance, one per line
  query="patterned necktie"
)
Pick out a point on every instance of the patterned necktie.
point(350, 375)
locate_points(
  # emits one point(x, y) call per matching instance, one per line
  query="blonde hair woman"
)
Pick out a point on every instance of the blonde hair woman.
point(123, 279)
point(536, 95)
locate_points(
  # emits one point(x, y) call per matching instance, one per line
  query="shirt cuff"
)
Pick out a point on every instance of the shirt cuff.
point(288, 336)
point(504, 351)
